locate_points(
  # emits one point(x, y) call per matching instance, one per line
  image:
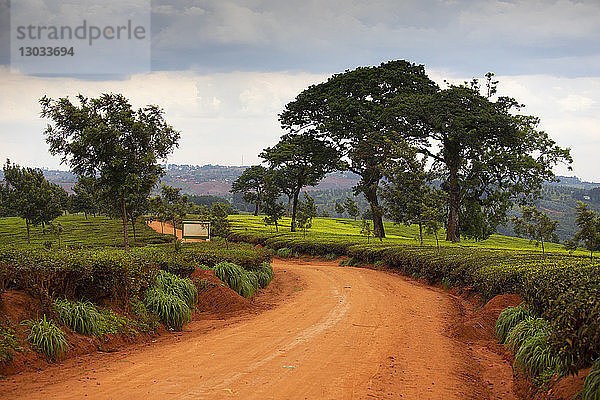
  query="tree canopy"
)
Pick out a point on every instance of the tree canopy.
point(347, 111)
point(487, 154)
point(105, 139)
point(251, 183)
point(300, 160)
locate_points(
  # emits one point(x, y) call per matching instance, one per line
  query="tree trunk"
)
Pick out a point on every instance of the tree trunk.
point(294, 209)
point(257, 207)
point(287, 209)
point(125, 223)
point(371, 195)
point(421, 232)
point(453, 233)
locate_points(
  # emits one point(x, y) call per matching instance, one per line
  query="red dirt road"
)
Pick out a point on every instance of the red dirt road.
point(319, 331)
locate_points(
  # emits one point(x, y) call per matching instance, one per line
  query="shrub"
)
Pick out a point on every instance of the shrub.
point(591, 386)
point(243, 281)
point(82, 317)
point(265, 274)
point(145, 320)
point(508, 319)
point(46, 337)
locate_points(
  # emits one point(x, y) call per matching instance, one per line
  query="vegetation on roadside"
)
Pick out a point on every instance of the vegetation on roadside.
point(46, 337)
point(243, 281)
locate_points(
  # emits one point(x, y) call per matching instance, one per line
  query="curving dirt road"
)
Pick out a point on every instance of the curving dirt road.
point(319, 331)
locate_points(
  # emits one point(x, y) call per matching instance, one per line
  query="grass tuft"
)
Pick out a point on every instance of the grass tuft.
point(591, 386)
point(170, 309)
point(508, 319)
point(81, 316)
point(46, 337)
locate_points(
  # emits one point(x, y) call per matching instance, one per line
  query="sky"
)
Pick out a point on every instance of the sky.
point(222, 70)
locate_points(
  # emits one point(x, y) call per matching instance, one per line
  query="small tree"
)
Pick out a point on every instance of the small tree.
point(83, 199)
point(306, 212)
point(273, 210)
point(105, 139)
point(339, 209)
point(30, 196)
point(588, 222)
point(408, 191)
point(536, 225)
point(251, 183)
point(219, 224)
point(351, 208)
point(365, 227)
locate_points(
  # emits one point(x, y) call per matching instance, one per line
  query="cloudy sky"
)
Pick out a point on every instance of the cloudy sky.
point(222, 70)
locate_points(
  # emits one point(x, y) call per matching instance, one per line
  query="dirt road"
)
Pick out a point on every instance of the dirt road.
point(319, 331)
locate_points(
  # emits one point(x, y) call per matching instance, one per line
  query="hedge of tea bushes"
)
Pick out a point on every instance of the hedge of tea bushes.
point(111, 273)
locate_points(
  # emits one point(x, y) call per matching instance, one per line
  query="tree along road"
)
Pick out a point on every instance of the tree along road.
point(319, 331)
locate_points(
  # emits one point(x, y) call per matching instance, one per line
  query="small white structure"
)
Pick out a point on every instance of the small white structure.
point(196, 230)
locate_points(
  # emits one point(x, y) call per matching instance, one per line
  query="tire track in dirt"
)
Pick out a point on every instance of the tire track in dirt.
point(337, 333)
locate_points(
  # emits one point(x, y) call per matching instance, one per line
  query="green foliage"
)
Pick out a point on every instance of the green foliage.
point(78, 232)
point(172, 299)
point(30, 196)
point(536, 225)
point(9, 343)
point(145, 320)
point(219, 224)
point(182, 288)
point(306, 212)
point(331, 256)
point(524, 330)
point(588, 222)
point(105, 140)
point(111, 323)
point(170, 309)
point(81, 316)
point(243, 281)
point(284, 252)
point(300, 160)
point(351, 207)
point(46, 337)
point(251, 184)
point(591, 386)
point(508, 319)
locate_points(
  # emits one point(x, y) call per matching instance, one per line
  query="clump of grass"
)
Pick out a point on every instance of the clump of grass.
point(508, 319)
point(285, 252)
point(81, 316)
point(591, 386)
point(231, 274)
point(170, 309)
point(525, 330)
point(242, 281)
point(46, 337)
point(179, 287)
point(528, 338)
point(9, 344)
point(535, 357)
point(172, 299)
point(265, 274)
